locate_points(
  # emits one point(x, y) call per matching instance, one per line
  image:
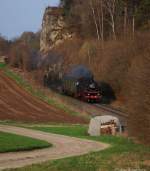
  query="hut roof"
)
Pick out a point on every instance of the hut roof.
point(106, 118)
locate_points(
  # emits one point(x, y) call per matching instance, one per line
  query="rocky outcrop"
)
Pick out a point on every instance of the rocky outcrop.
point(54, 29)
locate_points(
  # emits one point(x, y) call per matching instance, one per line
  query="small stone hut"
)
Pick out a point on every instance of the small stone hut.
point(100, 123)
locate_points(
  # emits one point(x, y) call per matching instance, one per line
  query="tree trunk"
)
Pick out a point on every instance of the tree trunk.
point(94, 18)
point(102, 22)
point(125, 19)
point(113, 27)
point(100, 19)
point(111, 7)
point(133, 26)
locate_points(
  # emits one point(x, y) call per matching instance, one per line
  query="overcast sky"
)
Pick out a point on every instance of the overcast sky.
point(17, 16)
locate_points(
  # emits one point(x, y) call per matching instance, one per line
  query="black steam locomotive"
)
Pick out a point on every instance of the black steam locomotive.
point(82, 88)
point(79, 83)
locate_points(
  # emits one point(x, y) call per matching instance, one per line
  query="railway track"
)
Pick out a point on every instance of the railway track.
point(111, 110)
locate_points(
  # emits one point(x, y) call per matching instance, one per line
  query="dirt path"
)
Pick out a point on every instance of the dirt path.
point(63, 146)
point(16, 104)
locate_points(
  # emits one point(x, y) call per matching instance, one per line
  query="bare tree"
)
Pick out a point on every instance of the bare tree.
point(125, 16)
point(130, 10)
point(100, 15)
point(102, 20)
point(96, 7)
point(94, 18)
point(134, 3)
point(110, 6)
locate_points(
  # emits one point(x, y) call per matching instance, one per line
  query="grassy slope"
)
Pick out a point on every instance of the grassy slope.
point(39, 93)
point(11, 142)
point(123, 154)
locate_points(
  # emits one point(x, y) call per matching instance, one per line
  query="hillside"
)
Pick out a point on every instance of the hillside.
point(18, 105)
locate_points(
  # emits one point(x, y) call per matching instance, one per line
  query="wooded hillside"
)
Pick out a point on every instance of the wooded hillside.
point(105, 19)
point(114, 41)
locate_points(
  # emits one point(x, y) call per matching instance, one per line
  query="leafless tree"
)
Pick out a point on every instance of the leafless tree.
point(125, 16)
point(100, 15)
point(94, 18)
point(97, 10)
point(110, 6)
point(102, 20)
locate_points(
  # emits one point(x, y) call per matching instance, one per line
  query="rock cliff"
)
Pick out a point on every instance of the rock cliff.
point(54, 29)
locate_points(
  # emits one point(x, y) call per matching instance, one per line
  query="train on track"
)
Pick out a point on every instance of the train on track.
point(85, 89)
point(79, 83)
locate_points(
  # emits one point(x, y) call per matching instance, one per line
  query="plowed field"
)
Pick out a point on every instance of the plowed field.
point(17, 104)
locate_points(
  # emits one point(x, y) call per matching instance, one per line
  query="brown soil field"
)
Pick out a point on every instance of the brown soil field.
point(18, 105)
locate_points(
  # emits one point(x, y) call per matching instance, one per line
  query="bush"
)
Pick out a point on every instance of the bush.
point(4, 46)
point(19, 56)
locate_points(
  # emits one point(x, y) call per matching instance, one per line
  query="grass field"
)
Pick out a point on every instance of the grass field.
point(2, 65)
point(11, 142)
point(123, 154)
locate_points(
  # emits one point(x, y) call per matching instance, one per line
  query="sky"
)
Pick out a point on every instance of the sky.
point(17, 16)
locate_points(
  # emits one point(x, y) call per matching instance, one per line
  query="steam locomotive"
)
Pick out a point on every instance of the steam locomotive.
point(79, 83)
point(82, 88)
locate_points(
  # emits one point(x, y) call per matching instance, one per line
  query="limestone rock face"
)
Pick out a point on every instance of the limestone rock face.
point(54, 29)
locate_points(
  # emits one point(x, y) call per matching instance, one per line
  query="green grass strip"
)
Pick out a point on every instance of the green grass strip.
point(12, 143)
point(2, 65)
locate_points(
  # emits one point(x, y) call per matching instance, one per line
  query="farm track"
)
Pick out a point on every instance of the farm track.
point(63, 146)
point(17, 104)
